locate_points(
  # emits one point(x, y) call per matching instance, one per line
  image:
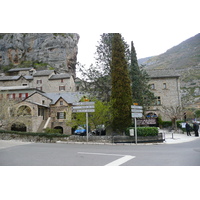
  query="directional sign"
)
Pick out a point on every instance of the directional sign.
point(136, 107)
point(83, 111)
point(83, 103)
point(82, 107)
point(136, 115)
point(136, 111)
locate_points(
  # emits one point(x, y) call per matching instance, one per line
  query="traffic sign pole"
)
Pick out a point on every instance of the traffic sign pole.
point(87, 125)
point(135, 130)
point(84, 107)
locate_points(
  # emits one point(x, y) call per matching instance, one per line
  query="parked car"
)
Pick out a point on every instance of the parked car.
point(80, 131)
point(100, 130)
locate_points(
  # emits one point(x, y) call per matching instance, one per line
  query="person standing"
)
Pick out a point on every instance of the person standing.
point(188, 129)
point(196, 129)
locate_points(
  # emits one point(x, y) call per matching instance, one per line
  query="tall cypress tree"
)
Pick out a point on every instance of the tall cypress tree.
point(139, 82)
point(121, 87)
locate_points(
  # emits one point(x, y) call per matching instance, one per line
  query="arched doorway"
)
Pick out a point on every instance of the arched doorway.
point(60, 128)
point(18, 127)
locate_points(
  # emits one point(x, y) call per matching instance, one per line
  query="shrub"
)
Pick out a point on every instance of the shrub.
point(144, 131)
point(47, 135)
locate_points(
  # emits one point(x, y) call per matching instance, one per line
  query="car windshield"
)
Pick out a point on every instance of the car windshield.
point(80, 128)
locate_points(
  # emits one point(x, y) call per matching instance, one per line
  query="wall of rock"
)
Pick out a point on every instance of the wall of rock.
point(59, 50)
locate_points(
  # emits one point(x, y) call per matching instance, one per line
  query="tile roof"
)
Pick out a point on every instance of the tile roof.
point(9, 78)
point(44, 73)
point(20, 69)
point(69, 97)
point(59, 76)
point(160, 73)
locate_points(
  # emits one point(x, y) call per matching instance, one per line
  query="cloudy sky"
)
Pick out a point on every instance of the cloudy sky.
point(154, 26)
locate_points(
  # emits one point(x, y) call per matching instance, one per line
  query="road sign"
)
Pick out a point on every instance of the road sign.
point(136, 115)
point(83, 110)
point(136, 107)
point(136, 111)
point(82, 107)
point(83, 103)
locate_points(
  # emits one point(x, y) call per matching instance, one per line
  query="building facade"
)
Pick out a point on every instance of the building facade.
point(45, 96)
point(165, 85)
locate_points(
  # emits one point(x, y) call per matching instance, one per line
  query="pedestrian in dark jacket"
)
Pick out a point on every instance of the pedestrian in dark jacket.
point(188, 129)
point(196, 129)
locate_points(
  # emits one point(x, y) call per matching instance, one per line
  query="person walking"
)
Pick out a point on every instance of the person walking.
point(196, 129)
point(188, 129)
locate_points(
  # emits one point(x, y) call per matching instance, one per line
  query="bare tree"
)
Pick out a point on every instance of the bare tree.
point(174, 113)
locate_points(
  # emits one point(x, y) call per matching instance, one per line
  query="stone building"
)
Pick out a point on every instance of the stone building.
point(49, 110)
point(46, 96)
point(165, 85)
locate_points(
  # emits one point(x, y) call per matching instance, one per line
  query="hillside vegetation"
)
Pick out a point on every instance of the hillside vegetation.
point(184, 58)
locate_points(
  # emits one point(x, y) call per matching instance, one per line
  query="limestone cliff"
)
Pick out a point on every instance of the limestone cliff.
point(58, 50)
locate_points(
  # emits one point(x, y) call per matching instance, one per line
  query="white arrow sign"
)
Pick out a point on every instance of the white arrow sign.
point(137, 107)
point(136, 115)
point(136, 111)
point(83, 103)
point(82, 107)
point(83, 110)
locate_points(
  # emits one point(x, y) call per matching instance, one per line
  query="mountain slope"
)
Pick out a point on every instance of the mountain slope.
point(184, 58)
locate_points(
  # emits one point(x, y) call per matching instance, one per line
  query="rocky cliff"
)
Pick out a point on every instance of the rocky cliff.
point(57, 50)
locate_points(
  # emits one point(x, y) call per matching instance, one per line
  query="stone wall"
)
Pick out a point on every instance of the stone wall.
point(83, 139)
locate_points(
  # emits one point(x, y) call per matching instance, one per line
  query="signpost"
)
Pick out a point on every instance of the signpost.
point(84, 107)
point(136, 112)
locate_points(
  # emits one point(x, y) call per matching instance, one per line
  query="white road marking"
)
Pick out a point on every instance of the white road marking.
point(120, 161)
point(117, 162)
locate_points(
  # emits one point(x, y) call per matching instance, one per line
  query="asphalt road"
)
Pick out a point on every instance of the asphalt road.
point(63, 154)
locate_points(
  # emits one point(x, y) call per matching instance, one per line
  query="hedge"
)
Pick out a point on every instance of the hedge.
point(47, 135)
point(144, 131)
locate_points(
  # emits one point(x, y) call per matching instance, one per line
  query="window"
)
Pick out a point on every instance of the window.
point(23, 95)
point(61, 103)
point(43, 102)
point(164, 86)
point(152, 86)
point(61, 115)
point(11, 96)
point(158, 101)
point(61, 88)
point(39, 81)
point(62, 80)
point(24, 84)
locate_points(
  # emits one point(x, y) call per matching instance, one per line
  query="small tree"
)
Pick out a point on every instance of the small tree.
point(174, 113)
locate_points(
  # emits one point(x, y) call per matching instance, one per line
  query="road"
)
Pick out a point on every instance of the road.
point(63, 154)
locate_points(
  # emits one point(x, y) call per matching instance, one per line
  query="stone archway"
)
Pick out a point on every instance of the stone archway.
point(60, 128)
point(19, 127)
point(24, 110)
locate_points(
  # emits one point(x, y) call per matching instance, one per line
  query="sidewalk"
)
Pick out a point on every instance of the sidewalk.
point(175, 137)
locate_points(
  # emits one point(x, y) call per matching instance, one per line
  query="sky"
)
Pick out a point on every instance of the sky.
point(153, 25)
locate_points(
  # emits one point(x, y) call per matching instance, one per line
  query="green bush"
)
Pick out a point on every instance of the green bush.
point(166, 124)
point(144, 131)
point(47, 135)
